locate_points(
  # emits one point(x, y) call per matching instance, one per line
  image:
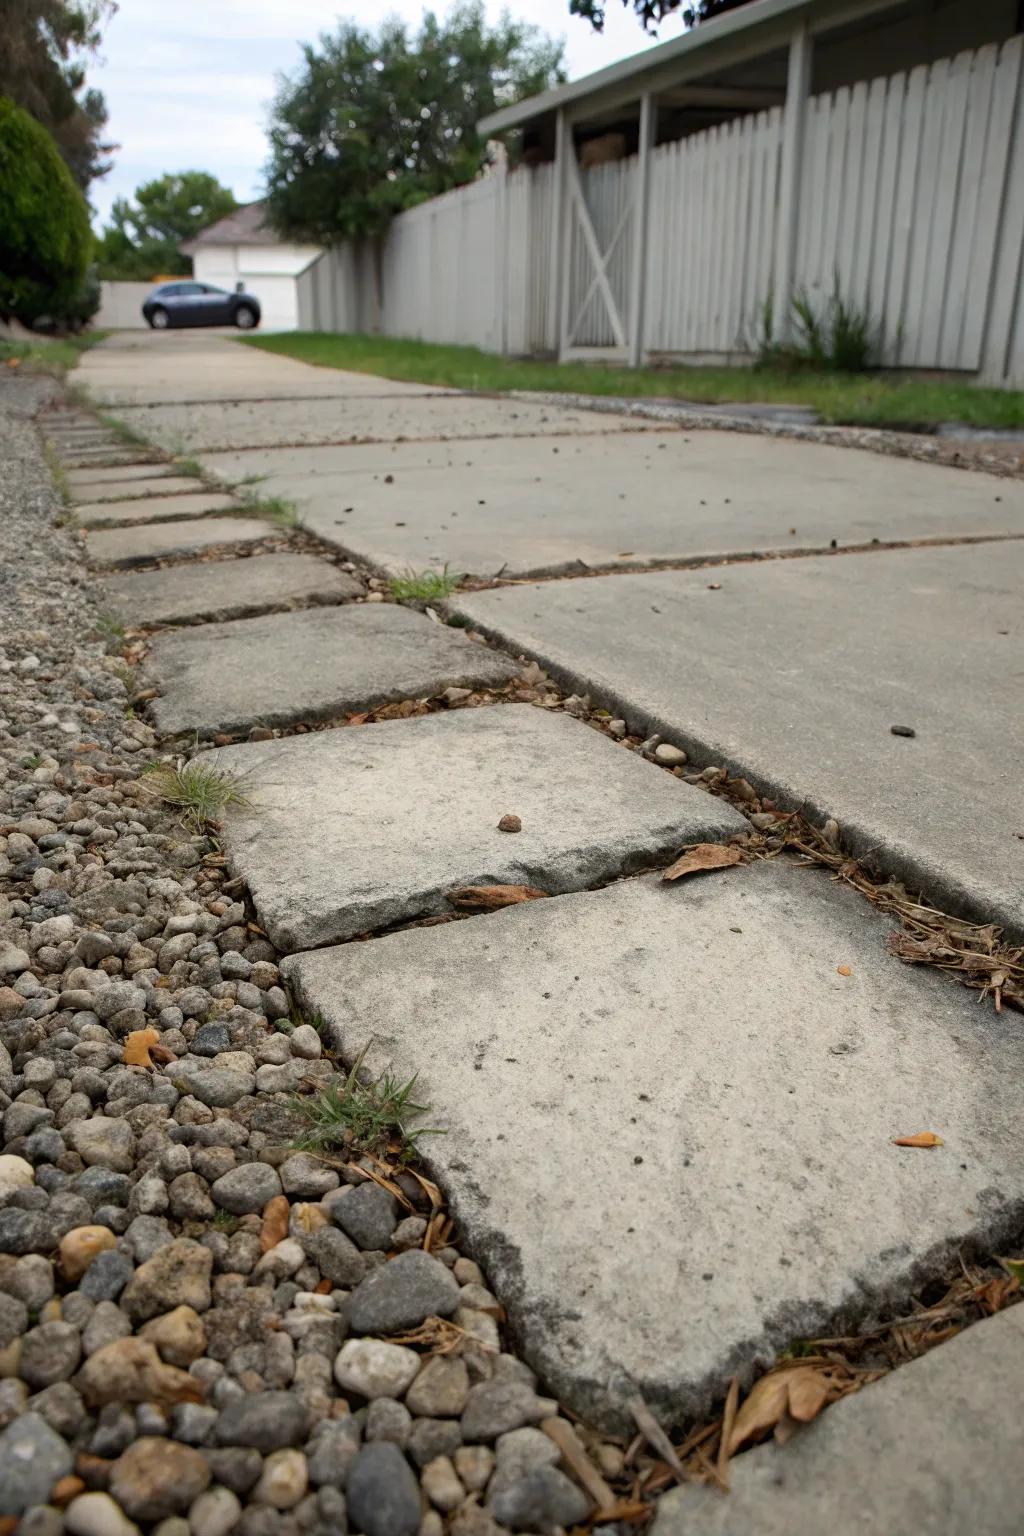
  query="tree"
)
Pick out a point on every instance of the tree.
point(44, 232)
point(143, 236)
point(374, 122)
point(42, 70)
point(651, 12)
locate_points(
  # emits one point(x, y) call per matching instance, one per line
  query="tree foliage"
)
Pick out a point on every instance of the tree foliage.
point(44, 45)
point(143, 237)
point(650, 12)
point(44, 231)
point(374, 122)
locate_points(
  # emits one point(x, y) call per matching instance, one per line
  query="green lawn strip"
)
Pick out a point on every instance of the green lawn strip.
point(49, 354)
point(861, 399)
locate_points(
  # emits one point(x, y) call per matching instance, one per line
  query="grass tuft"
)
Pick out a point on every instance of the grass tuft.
point(188, 466)
point(276, 509)
point(202, 792)
point(110, 628)
point(423, 586)
point(44, 354)
point(370, 1116)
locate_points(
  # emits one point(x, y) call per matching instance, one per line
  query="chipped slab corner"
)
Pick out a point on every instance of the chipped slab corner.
point(669, 1121)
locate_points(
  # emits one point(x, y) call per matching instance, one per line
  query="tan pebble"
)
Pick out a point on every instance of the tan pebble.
point(66, 1489)
point(10, 1360)
point(611, 1459)
point(53, 1311)
point(283, 1480)
point(510, 824)
point(442, 1485)
point(179, 1336)
point(80, 1246)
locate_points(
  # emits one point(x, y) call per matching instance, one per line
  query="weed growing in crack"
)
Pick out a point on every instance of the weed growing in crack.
point(111, 629)
point(276, 509)
point(367, 1115)
point(190, 467)
point(126, 434)
point(202, 793)
point(424, 586)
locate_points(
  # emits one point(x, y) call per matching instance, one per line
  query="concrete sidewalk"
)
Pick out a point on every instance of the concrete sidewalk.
point(669, 1111)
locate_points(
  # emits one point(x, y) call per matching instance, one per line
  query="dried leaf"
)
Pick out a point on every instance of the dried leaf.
point(766, 1405)
point(844, 970)
point(808, 1394)
point(578, 1462)
point(704, 856)
point(655, 1436)
point(490, 898)
point(922, 1139)
point(137, 1047)
point(728, 1420)
point(276, 1214)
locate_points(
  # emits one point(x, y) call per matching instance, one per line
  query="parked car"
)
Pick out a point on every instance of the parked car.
point(191, 303)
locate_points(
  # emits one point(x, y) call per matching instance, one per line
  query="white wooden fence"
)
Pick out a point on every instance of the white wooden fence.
point(912, 199)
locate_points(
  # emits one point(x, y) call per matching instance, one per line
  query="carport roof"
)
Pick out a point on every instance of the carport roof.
point(732, 38)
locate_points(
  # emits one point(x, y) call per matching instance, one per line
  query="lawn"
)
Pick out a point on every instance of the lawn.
point(862, 399)
point(46, 354)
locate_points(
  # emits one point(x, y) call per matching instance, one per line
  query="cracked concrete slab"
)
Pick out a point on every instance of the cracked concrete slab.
point(356, 829)
point(793, 672)
point(254, 423)
point(227, 589)
point(669, 1121)
point(563, 503)
point(158, 541)
point(129, 490)
point(153, 509)
point(311, 665)
point(927, 1451)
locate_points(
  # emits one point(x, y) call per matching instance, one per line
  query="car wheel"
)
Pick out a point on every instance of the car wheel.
point(245, 317)
point(159, 320)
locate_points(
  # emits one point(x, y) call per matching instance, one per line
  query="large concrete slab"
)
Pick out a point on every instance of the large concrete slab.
point(103, 457)
point(159, 541)
point(82, 479)
point(562, 503)
point(669, 1120)
point(356, 829)
point(313, 665)
point(153, 509)
point(255, 423)
point(212, 364)
point(227, 589)
point(792, 673)
point(130, 490)
point(929, 1450)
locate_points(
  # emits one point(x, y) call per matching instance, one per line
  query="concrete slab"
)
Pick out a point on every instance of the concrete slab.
point(214, 365)
point(79, 479)
point(356, 829)
point(669, 1120)
point(562, 503)
point(254, 423)
point(128, 490)
point(313, 665)
point(927, 1451)
point(227, 589)
point(159, 541)
point(85, 458)
point(792, 673)
point(153, 509)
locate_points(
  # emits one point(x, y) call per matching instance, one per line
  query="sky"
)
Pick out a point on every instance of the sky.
point(188, 84)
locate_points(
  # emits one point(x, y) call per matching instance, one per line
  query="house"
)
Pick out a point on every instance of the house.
point(242, 248)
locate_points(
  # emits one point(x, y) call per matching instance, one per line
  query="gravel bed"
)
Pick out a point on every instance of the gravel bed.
point(202, 1330)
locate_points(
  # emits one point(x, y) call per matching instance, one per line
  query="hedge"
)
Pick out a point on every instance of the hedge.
point(45, 238)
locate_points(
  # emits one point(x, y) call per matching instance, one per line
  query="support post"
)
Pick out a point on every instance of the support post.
point(641, 221)
point(798, 83)
point(556, 250)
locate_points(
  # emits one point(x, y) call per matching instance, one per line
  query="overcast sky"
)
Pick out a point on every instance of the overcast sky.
point(188, 83)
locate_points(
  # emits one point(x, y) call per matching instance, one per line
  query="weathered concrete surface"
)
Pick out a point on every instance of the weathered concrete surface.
point(356, 829)
point(557, 504)
point(155, 541)
point(930, 1450)
point(83, 479)
point(153, 509)
point(129, 490)
point(313, 665)
point(669, 1120)
point(254, 423)
point(792, 673)
point(236, 589)
point(139, 366)
point(103, 457)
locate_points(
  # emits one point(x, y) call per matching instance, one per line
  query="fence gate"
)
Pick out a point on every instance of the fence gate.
point(600, 206)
